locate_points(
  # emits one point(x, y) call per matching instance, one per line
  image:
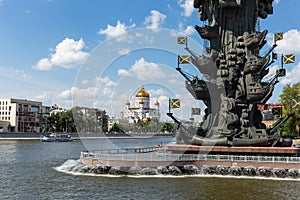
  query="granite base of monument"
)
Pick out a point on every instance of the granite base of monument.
point(236, 150)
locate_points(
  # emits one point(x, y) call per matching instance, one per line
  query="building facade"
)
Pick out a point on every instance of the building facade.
point(142, 109)
point(22, 115)
point(90, 120)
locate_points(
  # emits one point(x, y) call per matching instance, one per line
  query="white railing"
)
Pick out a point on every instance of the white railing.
point(171, 157)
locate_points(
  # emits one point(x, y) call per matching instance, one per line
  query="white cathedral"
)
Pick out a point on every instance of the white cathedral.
point(142, 110)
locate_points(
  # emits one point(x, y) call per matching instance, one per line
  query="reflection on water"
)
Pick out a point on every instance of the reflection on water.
point(28, 172)
point(8, 151)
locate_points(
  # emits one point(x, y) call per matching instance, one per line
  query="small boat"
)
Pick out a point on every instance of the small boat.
point(56, 138)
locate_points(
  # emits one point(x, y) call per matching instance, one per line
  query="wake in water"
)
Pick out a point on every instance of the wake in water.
point(74, 167)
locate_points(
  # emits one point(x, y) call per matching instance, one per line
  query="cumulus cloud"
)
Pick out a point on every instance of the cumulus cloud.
point(154, 20)
point(292, 76)
point(118, 32)
point(43, 64)
point(187, 6)
point(105, 81)
point(189, 30)
point(175, 81)
point(123, 51)
point(291, 39)
point(272, 72)
point(67, 54)
point(156, 92)
point(43, 96)
point(143, 70)
point(96, 94)
point(79, 92)
point(123, 72)
point(277, 1)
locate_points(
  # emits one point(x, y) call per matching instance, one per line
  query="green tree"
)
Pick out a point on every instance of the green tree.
point(169, 127)
point(289, 98)
point(116, 128)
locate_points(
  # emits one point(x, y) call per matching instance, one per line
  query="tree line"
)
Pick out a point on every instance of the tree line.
point(290, 100)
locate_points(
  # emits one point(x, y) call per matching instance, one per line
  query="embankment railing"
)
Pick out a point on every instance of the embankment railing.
point(157, 154)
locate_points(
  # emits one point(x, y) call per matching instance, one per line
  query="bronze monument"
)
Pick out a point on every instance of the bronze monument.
point(234, 70)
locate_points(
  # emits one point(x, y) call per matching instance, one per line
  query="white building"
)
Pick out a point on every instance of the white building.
point(142, 109)
point(22, 115)
point(112, 121)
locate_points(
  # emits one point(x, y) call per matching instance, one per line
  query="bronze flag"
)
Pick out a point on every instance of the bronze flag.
point(181, 40)
point(289, 58)
point(184, 59)
point(175, 103)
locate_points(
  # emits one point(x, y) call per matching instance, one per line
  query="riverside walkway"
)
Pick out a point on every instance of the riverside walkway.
point(156, 156)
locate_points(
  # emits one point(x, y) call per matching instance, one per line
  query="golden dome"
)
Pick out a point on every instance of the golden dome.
point(127, 103)
point(142, 102)
point(156, 103)
point(142, 93)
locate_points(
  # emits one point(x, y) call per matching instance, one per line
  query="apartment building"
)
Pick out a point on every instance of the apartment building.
point(22, 115)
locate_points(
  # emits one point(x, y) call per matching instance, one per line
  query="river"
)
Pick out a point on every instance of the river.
point(28, 171)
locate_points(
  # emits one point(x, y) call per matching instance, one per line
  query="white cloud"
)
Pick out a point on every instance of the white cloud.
point(123, 72)
point(43, 64)
point(272, 72)
point(187, 6)
point(87, 93)
point(123, 51)
point(105, 81)
point(189, 30)
point(175, 81)
point(156, 92)
point(14, 73)
point(43, 96)
point(90, 96)
point(292, 77)
point(290, 43)
point(21, 73)
point(66, 94)
point(155, 19)
point(67, 54)
point(144, 70)
point(119, 32)
point(277, 1)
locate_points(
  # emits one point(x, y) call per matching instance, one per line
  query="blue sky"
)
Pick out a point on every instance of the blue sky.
point(49, 49)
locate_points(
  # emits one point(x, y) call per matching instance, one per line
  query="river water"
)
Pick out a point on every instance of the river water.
point(28, 170)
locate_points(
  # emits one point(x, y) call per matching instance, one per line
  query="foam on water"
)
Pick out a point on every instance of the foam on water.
point(74, 167)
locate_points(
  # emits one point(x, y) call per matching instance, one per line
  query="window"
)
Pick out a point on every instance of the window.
point(34, 109)
point(25, 108)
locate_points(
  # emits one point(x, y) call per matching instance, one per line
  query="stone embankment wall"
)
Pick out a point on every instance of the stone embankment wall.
point(203, 168)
